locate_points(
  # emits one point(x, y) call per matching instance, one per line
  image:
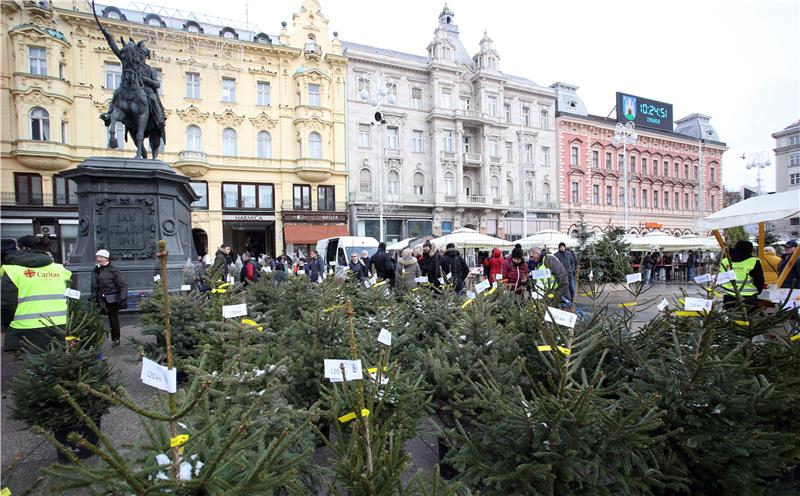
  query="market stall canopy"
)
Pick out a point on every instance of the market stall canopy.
point(762, 208)
point(549, 238)
point(659, 240)
point(470, 238)
point(400, 245)
point(708, 244)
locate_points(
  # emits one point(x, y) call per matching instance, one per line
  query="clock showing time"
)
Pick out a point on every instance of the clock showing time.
point(644, 112)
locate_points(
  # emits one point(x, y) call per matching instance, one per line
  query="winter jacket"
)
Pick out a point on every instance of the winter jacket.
point(429, 265)
point(495, 263)
point(453, 263)
point(220, 262)
point(359, 269)
point(316, 269)
point(558, 272)
point(383, 265)
point(250, 273)
point(793, 279)
point(407, 271)
point(568, 260)
point(109, 287)
point(756, 273)
point(647, 263)
point(516, 276)
point(8, 291)
point(770, 264)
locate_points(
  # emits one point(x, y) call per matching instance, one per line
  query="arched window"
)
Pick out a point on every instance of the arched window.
point(192, 27)
point(113, 13)
point(264, 144)
point(365, 180)
point(449, 184)
point(228, 33)
point(529, 190)
point(262, 38)
point(315, 145)
point(419, 183)
point(394, 183)
point(40, 124)
point(154, 20)
point(311, 44)
point(494, 184)
point(194, 139)
point(468, 186)
point(229, 142)
point(546, 192)
point(510, 189)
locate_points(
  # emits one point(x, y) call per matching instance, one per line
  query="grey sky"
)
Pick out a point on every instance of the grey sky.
point(735, 60)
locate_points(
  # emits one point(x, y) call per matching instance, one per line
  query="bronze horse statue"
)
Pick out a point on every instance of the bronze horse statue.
point(135, 102)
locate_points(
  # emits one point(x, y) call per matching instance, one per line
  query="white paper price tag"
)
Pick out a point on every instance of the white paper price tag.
point(352, 370)
point(697, 304)
point(231, 280)
point(449, 276)
point(471, 295)
point(591, 275)
point(156, 277)
point(632, 278)
point(385, 337)
point(367, 284)
point(158, 376)
point(186, 287)
point(663, 305)
point(301, 272)
point(560, 317)
point(231, 311)
point(482, 286)
point(441, 281)
point(498, 277)
point(373, 280)
point(420, 280)
point(72, 293)
point(726, 277)
point(540, 274)
point(702, 278)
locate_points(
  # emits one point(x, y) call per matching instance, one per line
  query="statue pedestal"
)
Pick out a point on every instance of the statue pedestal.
point(125, 206)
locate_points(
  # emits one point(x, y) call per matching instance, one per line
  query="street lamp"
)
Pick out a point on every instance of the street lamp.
point(375, 94)
point(758, 161)
point(625, 134)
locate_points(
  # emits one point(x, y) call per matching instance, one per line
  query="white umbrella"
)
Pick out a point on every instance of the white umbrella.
point(762, 208)
point(469, 238)
point(399, 245)
point(549, 238)
point(708, 244)
point(659, 240)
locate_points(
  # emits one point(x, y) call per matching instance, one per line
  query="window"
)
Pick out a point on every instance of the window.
point(595, 159)
point(264, 142)
point(364, 136)
point(686, 171)
point(677, 204)
point(417, 141)
point(192, 85)
point(465, 103)
point(37, 60)
point(394, 183)
point(621, 196)
point(510, 190)
point(40, 124)
point(644, 165)
point(655, 199)
point(794, 160)
point(677, 174)
point(632, 199)
point(666, 168)
point(313, 95)
point(416, 98)
point(262, 92)
point(509, 152)
point(447, 140)
point(229, 142)
point(794, 140)
point(113, 75)
point(302, 197)
point(65, 191)
point(794, 221)
point(194, 139)
point(392, 138)
point(544, 119)
point(686, 201)
point(326, 198)
point(608, 161)
point(28, 188)
point(632, 165)
point(507, 112)
point(621, 162)
point(713, 202)
point(63, 132)
point(526, 116)
point(467, 182)
point(494, 185)
point(609, 195)
point(201, 188)
point(528, 154)
point(228, 90)
point(529, 190)
point(644, 198)
point(365, 180)
point(546, 191)
point(573, 156)
point(712, 174)
point(447, 98)
point(62, 71)
point(419, 183)
point(666, 200)
point(794, 179)
point(575, 191)
point(697, 202)
point(492, 106)
point(696, 172)
point(546, 156)
point(449, 184)
point(314, 145)
point(596, 194)
point(494, 148)
point(465, 144)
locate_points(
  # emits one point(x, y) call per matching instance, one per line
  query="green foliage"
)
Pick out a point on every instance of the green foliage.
point(186, 324)
point(734, 234)
point(608, 258)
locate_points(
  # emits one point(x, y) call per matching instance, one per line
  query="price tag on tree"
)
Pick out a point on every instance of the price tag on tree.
point(158, 376)
point(591, 275)
point(385, 337)
point(725, 277)
point(560, 317)
point(186, 287)
point(697, 304)
point(663, 305)
point(352, 370)
point(632, 278)
point(498, 277)
point(471, 295)
point(231, 280)
point(449, 275)
point(540, 274)
point(72, 293)
point(420, 280)
point(702, 279)
point(156, 277)
point(441, 281)
point(231, 311)
point(482, 286)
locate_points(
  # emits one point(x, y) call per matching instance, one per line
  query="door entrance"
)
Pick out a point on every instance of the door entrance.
point(256, 238)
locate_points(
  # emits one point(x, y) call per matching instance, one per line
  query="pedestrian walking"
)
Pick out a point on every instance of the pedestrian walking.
point(647, 268)
point(691, 265)
point(569, 260)
point(495, 265)
point(316, 268)
point(251, 270)
point(453, 268)
point(109, 292)
point(429, 265)
point(221, 261)
point(407, 270)
point(383, 264)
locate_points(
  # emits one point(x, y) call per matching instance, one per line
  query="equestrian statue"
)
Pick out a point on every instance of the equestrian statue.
point(135, 103)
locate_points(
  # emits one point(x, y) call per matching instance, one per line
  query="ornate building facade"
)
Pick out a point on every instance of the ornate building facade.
point(257, 121)
point(787, 175)
point(463, 144)
point(674, 178)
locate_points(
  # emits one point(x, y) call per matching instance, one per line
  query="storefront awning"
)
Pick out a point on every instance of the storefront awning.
point(306, 234)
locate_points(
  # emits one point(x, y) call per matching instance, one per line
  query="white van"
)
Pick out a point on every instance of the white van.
point(340, 249)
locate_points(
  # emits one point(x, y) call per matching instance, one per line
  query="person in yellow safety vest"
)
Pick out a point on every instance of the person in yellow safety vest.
point(558, 282)
point(749, 276)
point(32, 302)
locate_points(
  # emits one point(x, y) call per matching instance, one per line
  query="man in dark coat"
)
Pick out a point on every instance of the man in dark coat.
point(357, 267)
point(429, 264)
point(383, 264)
point(570, 262)
point(793, 279)
point(220, 267)
point(251, 270)
point(453, 268)
point(316, 267)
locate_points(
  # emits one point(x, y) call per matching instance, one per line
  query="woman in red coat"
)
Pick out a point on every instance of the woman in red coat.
point(495, 264)
point(515, 273)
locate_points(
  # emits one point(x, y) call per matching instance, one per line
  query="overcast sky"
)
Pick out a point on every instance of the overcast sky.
point(737, 61)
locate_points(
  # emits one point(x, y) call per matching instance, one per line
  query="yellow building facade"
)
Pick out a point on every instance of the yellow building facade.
point(256, 121)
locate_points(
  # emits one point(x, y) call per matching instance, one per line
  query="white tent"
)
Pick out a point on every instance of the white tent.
point(659, 240)
point(469, 238)
point(400, 245)
point(549, 238)
point(708, 244)
point(762, 208)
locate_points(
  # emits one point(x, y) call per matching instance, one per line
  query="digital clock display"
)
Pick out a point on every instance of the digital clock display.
point(644, 112)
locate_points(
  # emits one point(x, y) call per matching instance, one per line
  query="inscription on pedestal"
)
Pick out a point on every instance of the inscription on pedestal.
point(125, 228)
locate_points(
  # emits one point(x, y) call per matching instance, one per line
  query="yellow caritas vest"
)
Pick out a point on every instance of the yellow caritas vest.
point(40, 295)
point(743, 280)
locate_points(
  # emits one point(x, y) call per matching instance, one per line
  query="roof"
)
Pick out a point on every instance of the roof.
point(795, 124)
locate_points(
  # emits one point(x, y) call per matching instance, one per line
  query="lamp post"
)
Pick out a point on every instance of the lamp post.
point(625, 134)
point(758, 161)
point(375, 94)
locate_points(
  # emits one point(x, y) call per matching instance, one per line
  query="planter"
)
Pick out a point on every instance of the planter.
point(88, 434)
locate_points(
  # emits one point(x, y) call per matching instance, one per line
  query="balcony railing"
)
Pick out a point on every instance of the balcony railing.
point(392, 153)
point(449, 199)
point(10, 198)
point(472, 158)
point(497, 201)
point(289, 205)
point(476, 199)
point(192, 156)
point(536, 205)
point(448, 155)
point(374, 197)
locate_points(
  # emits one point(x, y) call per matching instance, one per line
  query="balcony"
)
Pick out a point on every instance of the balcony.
point(374, 197)
point(392, 153)
point(497, 201)
point(535, 205)
point(289, 205)
point(449, 199)
point(43, 155)
point(475, 199)
point(192, 163)
point(472, 159)
point(448, 155)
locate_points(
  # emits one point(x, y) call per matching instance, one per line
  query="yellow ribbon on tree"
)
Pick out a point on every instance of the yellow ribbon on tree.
point(253, 323)
point(563, 350)
point(352, 416)
point(688, 313)
point(5, 492)
point(627, 304)
point(466, 303)
point(494, 288)
point(178, 442)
